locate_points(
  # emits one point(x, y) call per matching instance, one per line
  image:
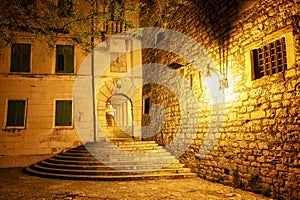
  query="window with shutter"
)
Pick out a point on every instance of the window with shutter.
point(63, 113)
point(64, 59)
point(20, 58)
point(16, 110)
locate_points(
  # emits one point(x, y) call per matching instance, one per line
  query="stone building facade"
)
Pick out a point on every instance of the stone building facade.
point(248, 132)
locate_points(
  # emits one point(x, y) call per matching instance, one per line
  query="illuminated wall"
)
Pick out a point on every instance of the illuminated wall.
point(253, 141)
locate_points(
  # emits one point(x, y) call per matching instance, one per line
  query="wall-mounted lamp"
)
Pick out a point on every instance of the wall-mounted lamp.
point(223, 81)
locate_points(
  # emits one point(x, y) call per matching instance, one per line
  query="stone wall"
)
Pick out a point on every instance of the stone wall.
point(256, 125)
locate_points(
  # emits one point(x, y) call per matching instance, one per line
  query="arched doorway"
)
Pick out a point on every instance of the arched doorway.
point(119, 115)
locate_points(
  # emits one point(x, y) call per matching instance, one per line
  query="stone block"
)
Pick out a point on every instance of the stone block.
point(259, 114)
point(262, 145)
point(260, 159)
point(281, 167)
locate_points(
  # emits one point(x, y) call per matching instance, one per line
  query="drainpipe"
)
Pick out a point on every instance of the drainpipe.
point(93, 70)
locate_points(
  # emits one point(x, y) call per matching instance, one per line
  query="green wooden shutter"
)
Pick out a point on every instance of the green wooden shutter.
point(16, 113)
point(69, 59)
point(63, 113)
point(68, 113)
point(15, 58)
point(58, 111)
point(59, 59)
point(25, 58)
point(64, 59)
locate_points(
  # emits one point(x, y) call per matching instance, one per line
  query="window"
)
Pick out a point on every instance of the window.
point(159, 37)
point(63, 113)
point(269, 59)
point(16, 110)
point(20, 58)
point(64, 59)
point(65, 8)
point(147, 105)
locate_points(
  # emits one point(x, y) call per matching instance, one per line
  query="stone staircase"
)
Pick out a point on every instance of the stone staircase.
point(115, 133)
point(121, 160)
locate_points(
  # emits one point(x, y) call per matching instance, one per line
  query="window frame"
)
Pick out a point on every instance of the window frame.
point(7, 112)
point(266, 62)
point(287, 33)
point(72, 115)
point(56, 61)
point(11, 58)
point(159, 37)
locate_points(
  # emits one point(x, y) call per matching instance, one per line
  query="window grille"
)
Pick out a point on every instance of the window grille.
point(269, 59)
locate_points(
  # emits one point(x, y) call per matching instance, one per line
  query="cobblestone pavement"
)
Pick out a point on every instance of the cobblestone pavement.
point(16, 185)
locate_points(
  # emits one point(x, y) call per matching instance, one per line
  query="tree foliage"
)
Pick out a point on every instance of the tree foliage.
point(74, 21)
point(164, 11)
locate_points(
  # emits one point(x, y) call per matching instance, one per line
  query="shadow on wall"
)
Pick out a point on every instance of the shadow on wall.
point(221, 14)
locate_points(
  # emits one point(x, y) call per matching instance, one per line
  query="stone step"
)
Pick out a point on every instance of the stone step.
point(115, 154)
point(130, 142)
point(80, 163)
point(125, 148)
point(120, 159)
point(110, 163)
point(107, 172)
point(100, 166)
point(130, 177)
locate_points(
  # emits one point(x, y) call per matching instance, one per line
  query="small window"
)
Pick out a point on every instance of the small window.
point(147, 105)
point(20, 58)
point(16, 110)
point(269, 59)
point(159, 37)
point(65, 8)
point(64, 59)
point(63, 113)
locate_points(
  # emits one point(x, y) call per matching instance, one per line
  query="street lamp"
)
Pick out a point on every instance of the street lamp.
point(223, 81)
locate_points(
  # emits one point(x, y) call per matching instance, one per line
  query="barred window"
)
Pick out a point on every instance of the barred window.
point(269, 59)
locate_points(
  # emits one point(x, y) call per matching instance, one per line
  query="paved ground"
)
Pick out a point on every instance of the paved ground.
point(16, 185)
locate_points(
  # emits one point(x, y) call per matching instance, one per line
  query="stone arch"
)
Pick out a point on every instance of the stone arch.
point(104, 93)
point(119, 116)
point(122, 107)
